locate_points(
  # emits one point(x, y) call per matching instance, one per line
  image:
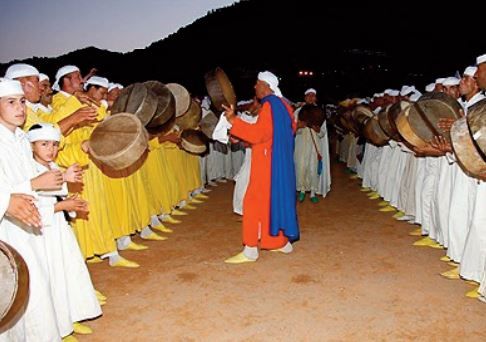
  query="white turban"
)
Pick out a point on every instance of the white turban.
point(310, 90)
point(451, 81)
point(43, 77)
point(67, 69)
point(407, 90)
point(392, 92)
point(481, 59)
point(20, 70)
point(430, 87)
point(470, 71)
point(46, 131)
point(415, 96)
point(440, 80)
point(98, 81)
point(10, 87)
point(114, 86)
point(271, 80)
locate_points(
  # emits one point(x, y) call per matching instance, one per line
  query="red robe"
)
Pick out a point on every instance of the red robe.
point(256, 204)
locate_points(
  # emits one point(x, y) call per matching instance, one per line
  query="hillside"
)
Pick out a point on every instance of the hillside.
point(352, 49)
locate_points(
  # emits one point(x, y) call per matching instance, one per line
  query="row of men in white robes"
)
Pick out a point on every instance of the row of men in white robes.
point(429, 187)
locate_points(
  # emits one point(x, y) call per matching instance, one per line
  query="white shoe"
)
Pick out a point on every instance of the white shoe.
point(205, 191)
point(212, 183)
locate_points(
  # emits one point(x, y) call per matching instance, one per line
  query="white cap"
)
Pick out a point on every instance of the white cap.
point(10, 87)
point(415, 96)
point(310, 90)
point(112, 86)
point(43, 77)
point(98, 81)
point(392, 92)
point(430, 87)
point(470, 71)
point(481, 59)
point(271, 80)
point(361, 101)
point(451, 81)
point(44, 131)
point(407, 90)
point(67, 69)
point(20, 70)
point(440, 80)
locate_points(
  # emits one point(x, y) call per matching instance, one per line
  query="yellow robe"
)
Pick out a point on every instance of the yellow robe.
point(93, 231)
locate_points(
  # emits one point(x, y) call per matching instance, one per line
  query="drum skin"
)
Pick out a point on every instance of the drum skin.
point(220, 90)
point(465, 150)
point(476, 119)
point(424, 115)
point(138, 100)
point(119, 141)
point(14, 286)
point(181, 96)
point(194, 141)
point(190, 119)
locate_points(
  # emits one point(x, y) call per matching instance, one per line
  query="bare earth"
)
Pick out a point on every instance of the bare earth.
point(354, 276)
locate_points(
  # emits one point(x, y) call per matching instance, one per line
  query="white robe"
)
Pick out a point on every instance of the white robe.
point(72, 289)
point(38, 323)
point(463, 195)
point(325, 178)
point(429, 187)
point(473, 260)
point(305, 156)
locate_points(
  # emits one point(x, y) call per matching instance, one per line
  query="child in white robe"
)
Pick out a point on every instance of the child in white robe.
point(72, 290)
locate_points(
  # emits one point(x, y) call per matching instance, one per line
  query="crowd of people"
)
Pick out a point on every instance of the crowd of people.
point(427, 186)
point(61, 208)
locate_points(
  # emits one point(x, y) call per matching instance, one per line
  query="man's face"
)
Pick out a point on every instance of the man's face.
point(467, 85)
point(46, 92)
point(261, 89)
point(481, 76)
point(97, 93)
point(452, 91)
point(113, 94)
point(75, 81)
point(31, 88)
point(310, 98)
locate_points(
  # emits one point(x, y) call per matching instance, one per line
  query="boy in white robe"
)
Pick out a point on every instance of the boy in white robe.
point(17, 175)
point(72, 290)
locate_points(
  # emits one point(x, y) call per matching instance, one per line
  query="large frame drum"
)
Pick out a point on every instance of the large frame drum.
point(119, 141)
point(418, 123)
point(465, 150)
point(14, 286)
point(220, 89)
point(476, 119)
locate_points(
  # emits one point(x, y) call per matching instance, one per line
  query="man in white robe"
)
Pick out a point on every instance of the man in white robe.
point(308, 152)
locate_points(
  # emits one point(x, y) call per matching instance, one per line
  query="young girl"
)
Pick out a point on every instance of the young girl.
point(72, 290)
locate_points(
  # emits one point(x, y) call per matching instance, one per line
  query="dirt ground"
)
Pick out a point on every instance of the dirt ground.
point(354, 276)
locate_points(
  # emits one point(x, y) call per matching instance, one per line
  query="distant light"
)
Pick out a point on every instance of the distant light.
point(301, 73)
point(311, 73)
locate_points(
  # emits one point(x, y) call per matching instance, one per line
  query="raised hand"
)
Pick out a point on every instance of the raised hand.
point(74, 174)
point(229, 112)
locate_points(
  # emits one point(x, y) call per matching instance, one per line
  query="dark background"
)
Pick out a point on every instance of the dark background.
point(352, 49)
